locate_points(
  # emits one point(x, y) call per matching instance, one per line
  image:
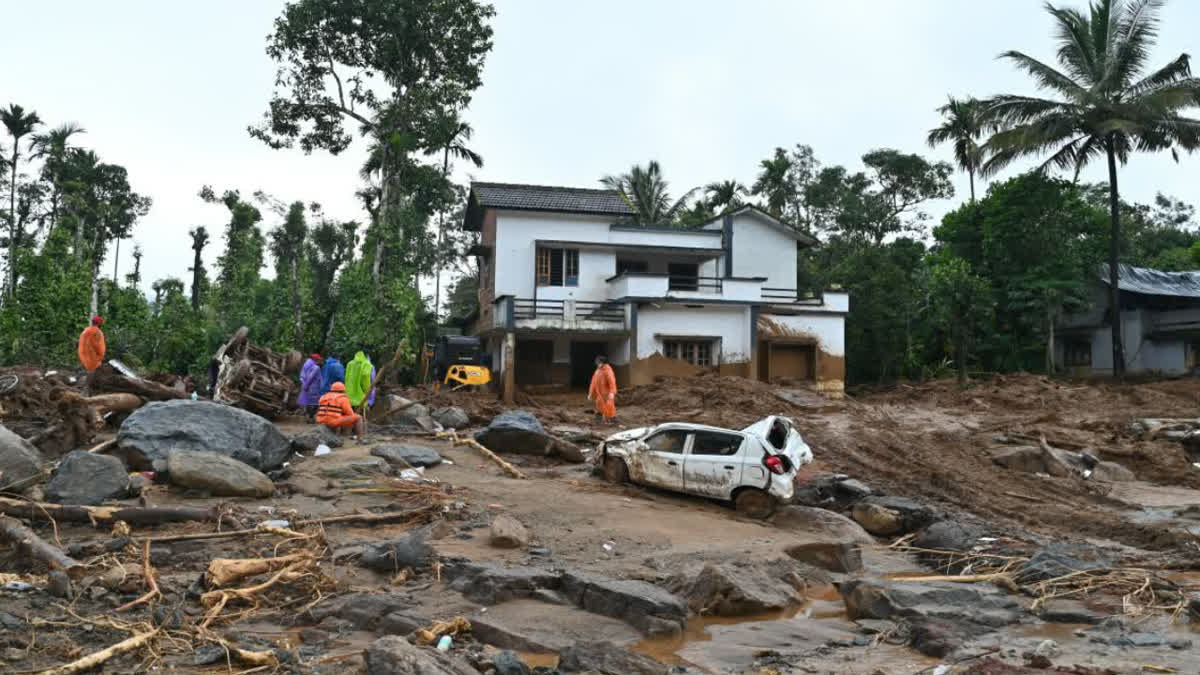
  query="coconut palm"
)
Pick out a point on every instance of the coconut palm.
point(1101, 105)
point(19, 124)
point(645, 191)
point(456, 135)
point(724, 195)
point(962, 124)
point(773, 183)
point(52, 146)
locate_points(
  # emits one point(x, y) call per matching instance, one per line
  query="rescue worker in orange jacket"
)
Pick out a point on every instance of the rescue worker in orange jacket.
point(91, 349)
point(603, 391)
point(334, 411)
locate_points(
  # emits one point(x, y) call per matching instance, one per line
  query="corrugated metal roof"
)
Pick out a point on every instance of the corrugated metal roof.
point(1154, 282)
point(549, 198)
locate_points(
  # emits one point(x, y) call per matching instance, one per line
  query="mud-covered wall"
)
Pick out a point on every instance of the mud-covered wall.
point(826, 332)
point(728, 323)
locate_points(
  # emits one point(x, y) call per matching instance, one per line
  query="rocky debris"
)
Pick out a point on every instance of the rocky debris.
point(364, 611)
point(217, 475)
point(393, 655)
point(1063, 610)
point(938, 637)
point(1061, 463)
point(607, 658)
point(736, 589)
point(58, 584)
point(642, 605)
point(520, 432)
point(354, 467)
point(87, 479)
point(20, 461)
point(408, 552)
point(403, 412)
point(488, 630)
point(843, 557)
point(1059, 560)
point(489, 584)
point(406, 456)
point(913, 516)
point(878, 520)
point(401, 623)
point(820, 523)
point(576, 435)
point(452, 417)
point(830, 490)
point(948, 535)
point(194, 426)
point(508, 532)
point(308, 441)
point(508, 663)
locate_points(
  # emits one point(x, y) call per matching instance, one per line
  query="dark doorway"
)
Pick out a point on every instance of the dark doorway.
point(533, 361)
point(583, 362)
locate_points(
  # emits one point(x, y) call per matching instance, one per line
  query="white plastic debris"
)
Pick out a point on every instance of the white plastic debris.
point(51, 372)
point(609, 546)
point(268, 509)
point(446, 461)
point(941, 670)
point(276, 523)
point(322, 449)
point(18, 586)
point(1196, 465)
point(413, 474)
point(1087, 474)
point(444, 644)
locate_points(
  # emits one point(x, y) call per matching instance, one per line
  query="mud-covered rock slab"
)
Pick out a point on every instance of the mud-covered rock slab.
point(87, 479)
point(608, 659)
point(407, 455)
point(653, 610)
point(217, 475)
point(393, 655)
point(19, 460)
point(200, 426)
point(488, 584)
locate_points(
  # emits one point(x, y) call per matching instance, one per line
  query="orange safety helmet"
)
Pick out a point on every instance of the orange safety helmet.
point(338, 386)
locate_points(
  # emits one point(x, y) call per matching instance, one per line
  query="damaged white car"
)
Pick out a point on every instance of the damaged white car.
point(755, 468)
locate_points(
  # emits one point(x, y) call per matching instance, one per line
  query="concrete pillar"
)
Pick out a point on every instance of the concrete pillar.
point(510, 368)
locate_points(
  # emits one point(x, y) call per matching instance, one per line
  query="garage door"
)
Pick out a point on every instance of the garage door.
point(791, 362)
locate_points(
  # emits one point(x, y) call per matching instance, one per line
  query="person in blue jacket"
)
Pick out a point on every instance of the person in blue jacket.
point(333, 372)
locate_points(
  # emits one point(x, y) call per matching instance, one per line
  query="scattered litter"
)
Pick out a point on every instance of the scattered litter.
point(322, 449)
point(51, 372)
point(277, 523)
point(18, 586)
point(609, 546)
point(941, 670)
point(446, 461)
point(1196, 465)
point(443, 644)
point(268, 509)
point(413, 474)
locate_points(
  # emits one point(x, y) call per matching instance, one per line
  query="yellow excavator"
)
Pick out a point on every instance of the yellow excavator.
point(460, 361)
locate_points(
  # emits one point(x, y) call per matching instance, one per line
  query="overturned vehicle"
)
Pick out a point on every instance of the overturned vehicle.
point(755, 468)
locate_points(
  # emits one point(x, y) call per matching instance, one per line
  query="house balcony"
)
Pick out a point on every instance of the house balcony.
point(571, 316)
point(684, 287)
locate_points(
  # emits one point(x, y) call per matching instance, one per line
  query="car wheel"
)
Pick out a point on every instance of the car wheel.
point(754, 503)
point(615, 470)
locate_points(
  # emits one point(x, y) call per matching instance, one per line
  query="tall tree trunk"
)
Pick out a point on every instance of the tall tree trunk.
point(971, 176)
point(196, 279)
point(116, 258)
point(296, 303)
point(437, 264)
point(1114, 248)
point(12, 222)
point(1049, 341)
point(960, 356)
point(385, 208)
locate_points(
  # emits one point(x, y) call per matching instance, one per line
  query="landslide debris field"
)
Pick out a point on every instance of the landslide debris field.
point(1022, 523)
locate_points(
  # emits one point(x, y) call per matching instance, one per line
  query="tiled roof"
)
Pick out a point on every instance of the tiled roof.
point(548, 198)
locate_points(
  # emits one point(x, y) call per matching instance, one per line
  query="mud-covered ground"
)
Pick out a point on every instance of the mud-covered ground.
point(932, 443)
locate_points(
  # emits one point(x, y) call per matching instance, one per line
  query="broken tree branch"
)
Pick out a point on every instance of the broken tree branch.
point(136, 515)
point(148, 573)
point(92, 660)
point(478, 447)
point(216, 600)
point(103, 447)
point(15, 531)
point(999, 579)
point(224, 571)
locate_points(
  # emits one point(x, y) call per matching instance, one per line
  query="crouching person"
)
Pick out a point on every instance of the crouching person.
point(335, 412)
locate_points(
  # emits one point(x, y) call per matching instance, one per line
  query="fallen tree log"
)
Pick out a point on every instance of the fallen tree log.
point(106, 403)
point(24, 538)
point(224, 571)
point(134, 515)
point(109, 380)
point(472, 443)
point(92, 660)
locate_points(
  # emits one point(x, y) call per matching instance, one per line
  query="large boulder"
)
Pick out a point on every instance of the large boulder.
point(979, 604)
point(819, 524)
point(404, 455)
point(913, 515)
point(878, 520)
point(410, 551)
point(19, 460)
point(217, 475)
point(200, 426)
point(607, 658)
point(653, 610)
point(1060, 463)
point(508, 663)
point(393, 655)
point(830, 490)
point(516, 431)
point(490, 584)
point(452, 417)
point(87, 479)
point(508, 532)
point(842, 557)
point(730, 589)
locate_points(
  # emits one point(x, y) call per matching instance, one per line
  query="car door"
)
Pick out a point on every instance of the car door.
point(661, 459)
point(713, 466)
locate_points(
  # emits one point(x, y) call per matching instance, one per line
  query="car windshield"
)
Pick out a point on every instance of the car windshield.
point(669, 440)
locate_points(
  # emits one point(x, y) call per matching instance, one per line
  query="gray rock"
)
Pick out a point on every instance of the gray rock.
point(508, 532)
point(190, 426)
point(207, 654)
point(938, 637)
point(841, 557)
point(878, 520)
point(1139, 640)
point(819, 523)
point(1056, 561)
point(490, 631)
point(410, 551)
point(355, 467)
point(508, 663)
point(1070, 611)
point(393, 655)
point(364, 611)
point(19, 460)
point(1179, 643)
point(979, 605)
point(645, 606)
point(913, 516)
point(401, 623)
point(84, 478)
point(308, 441)
point(490, 584)
point(451, 417)
point(948, 535)
point(59, 584)
point(608, 659)
point(407, 455)
point(516, 431)
point(832, 490)
point(217, 474)
point(730, 589)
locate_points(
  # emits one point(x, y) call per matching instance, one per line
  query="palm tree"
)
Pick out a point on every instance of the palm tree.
point(457, 135)
point(724, 195)
point(1103, 106)
point(18, 124)
point(773, 184)
point(52, 146)
point(646, 192)
point(963, 124)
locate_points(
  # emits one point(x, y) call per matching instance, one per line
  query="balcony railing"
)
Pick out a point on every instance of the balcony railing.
point(791, 295)
point(526, 309)
point(677, 282)
point(608, 312)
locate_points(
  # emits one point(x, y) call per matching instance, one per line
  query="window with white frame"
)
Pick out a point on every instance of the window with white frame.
point(557, 266)
point(695, 352)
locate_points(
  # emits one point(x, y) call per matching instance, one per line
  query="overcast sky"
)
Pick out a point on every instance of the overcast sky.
point(572, 91)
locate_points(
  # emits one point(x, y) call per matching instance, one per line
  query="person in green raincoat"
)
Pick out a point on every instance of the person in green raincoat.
point(359, 375)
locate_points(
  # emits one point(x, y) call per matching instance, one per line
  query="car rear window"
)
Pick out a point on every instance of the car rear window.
point(715, 443)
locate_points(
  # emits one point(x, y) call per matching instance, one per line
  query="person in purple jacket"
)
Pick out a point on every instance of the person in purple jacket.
point(310, 386)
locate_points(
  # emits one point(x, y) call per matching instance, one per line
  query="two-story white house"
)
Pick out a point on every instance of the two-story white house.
point(564, 277)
